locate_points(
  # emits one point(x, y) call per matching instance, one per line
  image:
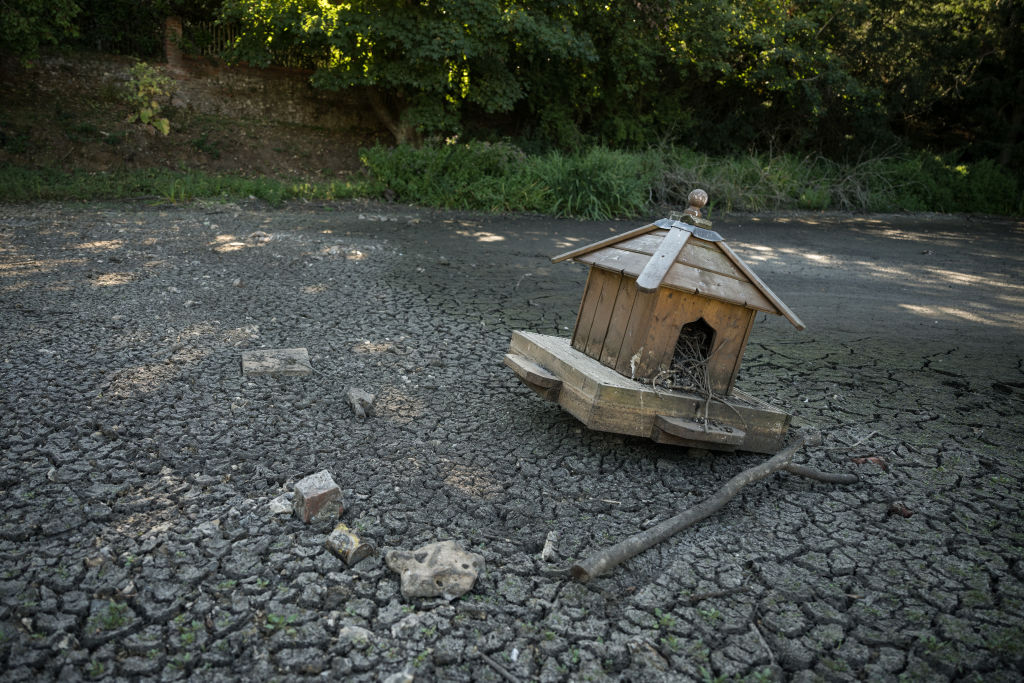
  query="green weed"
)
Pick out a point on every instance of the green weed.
point(712, 615)
point(145, 90)
point(603, 183)
point(280, 621)
point(114, 616)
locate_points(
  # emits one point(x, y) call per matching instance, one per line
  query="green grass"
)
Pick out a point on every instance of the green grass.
point(596, 184)
point(31, 185)
point(604, 183)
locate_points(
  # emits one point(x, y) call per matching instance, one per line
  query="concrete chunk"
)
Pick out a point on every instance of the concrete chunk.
point(293, 362)
point(317, 497)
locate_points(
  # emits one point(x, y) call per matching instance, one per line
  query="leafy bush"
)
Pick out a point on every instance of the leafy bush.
point(145, 89)
point(599, 183)
point(450, 175)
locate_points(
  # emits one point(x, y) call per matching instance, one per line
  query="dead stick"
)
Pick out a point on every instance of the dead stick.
point(498, 668)
point(609, 558)
point(818, 475)
point(764, 643)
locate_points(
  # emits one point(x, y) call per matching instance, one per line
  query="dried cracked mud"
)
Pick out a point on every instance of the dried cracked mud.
point(136, 540)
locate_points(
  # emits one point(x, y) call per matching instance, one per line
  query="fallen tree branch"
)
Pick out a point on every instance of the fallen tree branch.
point(609, 558)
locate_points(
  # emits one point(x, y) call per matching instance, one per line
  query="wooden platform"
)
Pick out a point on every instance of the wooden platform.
point(606, 401)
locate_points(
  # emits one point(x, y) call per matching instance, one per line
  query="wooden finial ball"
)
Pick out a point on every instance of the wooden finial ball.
point(697, 200)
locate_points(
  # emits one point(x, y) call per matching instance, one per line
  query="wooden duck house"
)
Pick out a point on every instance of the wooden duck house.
point(666, 314)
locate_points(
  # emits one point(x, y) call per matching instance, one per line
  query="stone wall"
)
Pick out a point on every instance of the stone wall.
point(272, 95)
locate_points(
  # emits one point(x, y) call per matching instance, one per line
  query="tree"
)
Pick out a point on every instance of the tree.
point(826, 76)
point(27, 26)
point(419, 63)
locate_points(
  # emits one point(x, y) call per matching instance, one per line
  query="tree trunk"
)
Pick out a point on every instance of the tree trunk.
point(403, 133)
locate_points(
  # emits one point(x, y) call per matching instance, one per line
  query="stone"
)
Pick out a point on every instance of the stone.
point(356, 636)
point(317, 497)
point(361, 402)
point(441, 569)
point(288, 362)
point(550, 551)
point(282, 504)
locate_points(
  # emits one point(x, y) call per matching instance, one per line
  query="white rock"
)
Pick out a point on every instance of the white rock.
point(550, 551)
point(356, 635)
point(281, 505)
point(437, 569)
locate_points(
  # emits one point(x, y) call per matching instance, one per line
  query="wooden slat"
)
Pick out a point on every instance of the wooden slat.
point(685, 278)
point(730, 325)
point(644, 244)
point(612, 258)
point(690, 279)
point(575, 253)
point(542, 382)
point(585, 318)
point(633, 340)
point(685, 428)
point(603, 314)
point(783, 308)
point(707, 256)
point(617, 326)
point(659, 263)
point(742, 347)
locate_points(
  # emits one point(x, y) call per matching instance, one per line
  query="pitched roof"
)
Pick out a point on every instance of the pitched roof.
point(684, 256)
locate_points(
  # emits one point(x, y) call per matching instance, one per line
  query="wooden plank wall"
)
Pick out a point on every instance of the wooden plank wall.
point(614, 319)
point(617, 321)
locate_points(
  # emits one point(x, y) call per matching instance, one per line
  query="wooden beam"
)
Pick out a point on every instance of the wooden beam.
point(657, 267)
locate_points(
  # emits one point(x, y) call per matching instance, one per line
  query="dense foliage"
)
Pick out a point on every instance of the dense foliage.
point(830, 76)
point(27, 26)
point(841, 79)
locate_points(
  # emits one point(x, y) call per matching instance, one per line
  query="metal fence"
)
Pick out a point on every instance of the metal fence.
point(214, 39)
point(207, 38)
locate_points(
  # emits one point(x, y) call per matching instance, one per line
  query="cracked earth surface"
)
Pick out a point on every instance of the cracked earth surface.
point(136, 540)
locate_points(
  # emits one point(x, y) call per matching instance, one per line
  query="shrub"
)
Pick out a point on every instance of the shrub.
point(145, 89)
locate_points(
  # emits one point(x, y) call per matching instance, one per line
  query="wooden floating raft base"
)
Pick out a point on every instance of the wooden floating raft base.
point(606, 401)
